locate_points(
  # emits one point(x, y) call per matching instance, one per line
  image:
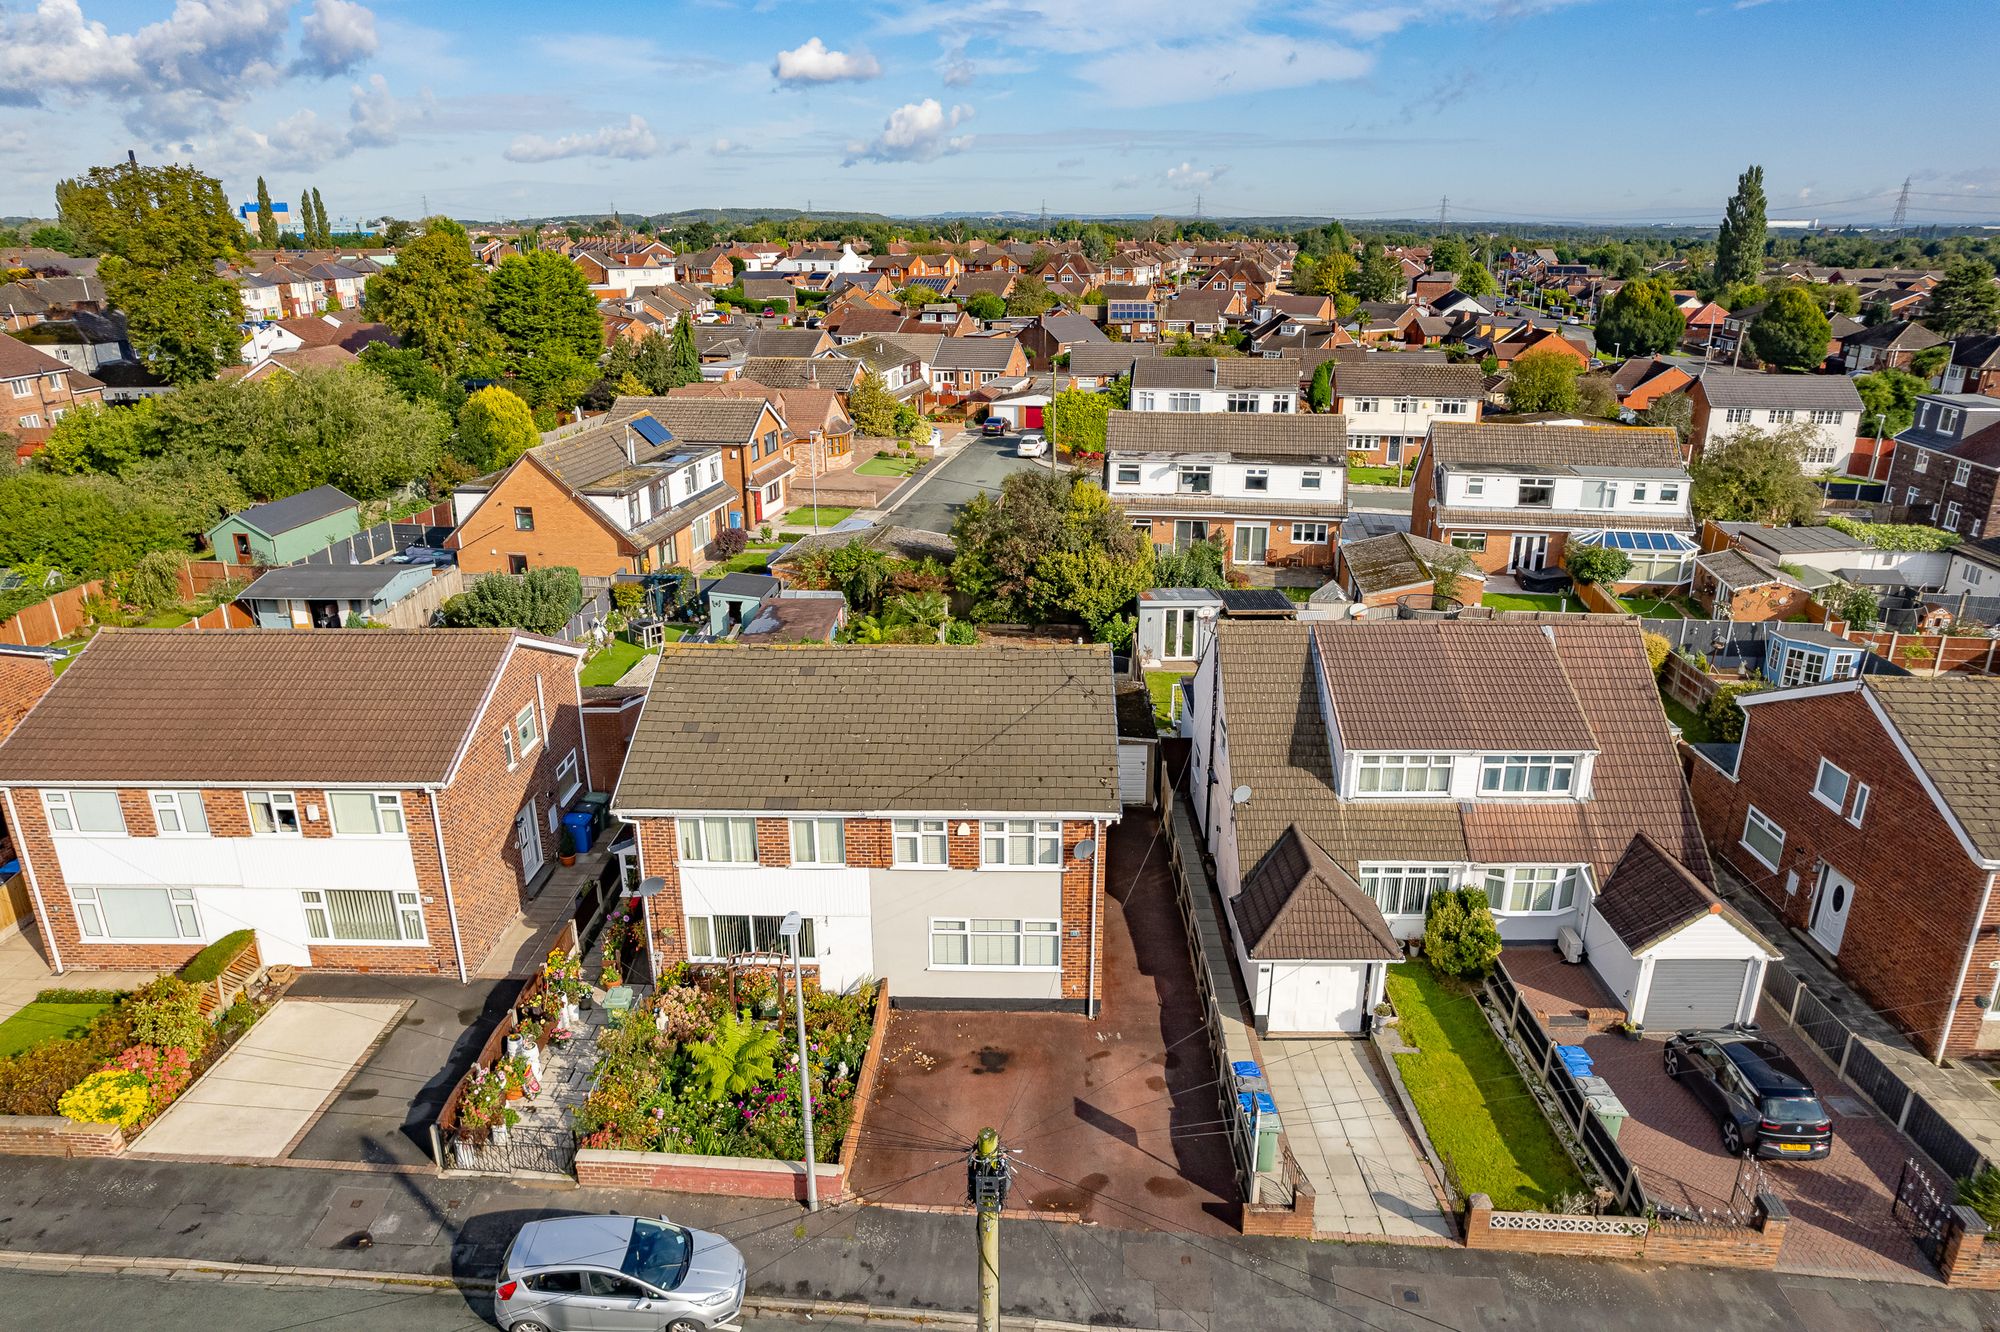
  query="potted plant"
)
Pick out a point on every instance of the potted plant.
point(563, 975)
point(611, 977)
point(503, 1125)
point(566, 846)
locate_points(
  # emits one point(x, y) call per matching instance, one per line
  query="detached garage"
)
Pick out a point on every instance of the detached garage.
point(1672, 951)
point(1314, 945)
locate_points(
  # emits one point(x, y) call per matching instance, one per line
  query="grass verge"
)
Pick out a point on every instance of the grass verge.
point(1479, 1114)
point(887, 465)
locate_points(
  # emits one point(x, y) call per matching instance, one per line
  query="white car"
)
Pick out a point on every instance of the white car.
point(1032, 446)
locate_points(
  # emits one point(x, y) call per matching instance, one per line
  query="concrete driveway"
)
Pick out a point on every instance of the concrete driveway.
point(259, 1099)
point(979, 467)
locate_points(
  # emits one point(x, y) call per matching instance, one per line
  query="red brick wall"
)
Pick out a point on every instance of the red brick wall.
point(479, 806)
point(725, 1176)
point(659, 857)
point(1753, 1247)
point(1082, 885)
point(565, 532)
point(607, 734)
point(52, 1135)
point(1916, 893)
point(1280, 550)
point(23, 681)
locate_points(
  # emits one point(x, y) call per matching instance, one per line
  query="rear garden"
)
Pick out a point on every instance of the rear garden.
point(1530, 601)
point(1652, 607)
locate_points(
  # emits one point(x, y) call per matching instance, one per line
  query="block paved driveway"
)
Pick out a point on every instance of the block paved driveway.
point(1841, 1222)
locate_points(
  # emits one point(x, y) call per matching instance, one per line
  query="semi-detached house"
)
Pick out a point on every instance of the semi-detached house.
point(1946, 465)
point(374, 801)
point(1215, 384)
point(1271, 489)
point(951, 842)
point(1728, 402)
point(1389, 405)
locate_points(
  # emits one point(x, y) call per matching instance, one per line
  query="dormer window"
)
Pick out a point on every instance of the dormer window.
point(1402, 774)
point(1475, 487)
point(1527, 775)
point(1537, 492)
point(1194, 480)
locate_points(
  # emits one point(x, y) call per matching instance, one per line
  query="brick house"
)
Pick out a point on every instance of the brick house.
point(1196, 384)
point(953, 844)
point(1863, 811)
point(750, 431)
point(371, 801)
point(1729, 401)
point(1390, 404)
point(961, 367)
point(36, 390)
point(1945, 466)
point(1974, 365)
point(1732, 584)
point(1889, 345)
point(614, 495)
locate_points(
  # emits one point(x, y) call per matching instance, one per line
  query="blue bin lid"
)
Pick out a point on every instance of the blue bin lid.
point(1246, 1068)
point(10, 869)
point(1243, 1102)
point(1265, 1105)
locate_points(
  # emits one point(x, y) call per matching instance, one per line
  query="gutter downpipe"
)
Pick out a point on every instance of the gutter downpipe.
point(1964, 967)
point(444, 870)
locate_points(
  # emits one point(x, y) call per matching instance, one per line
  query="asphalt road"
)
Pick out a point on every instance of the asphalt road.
point(87, 1303)
point(980, 467)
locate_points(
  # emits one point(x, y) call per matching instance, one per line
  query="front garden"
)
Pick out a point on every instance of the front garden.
point(800, 521)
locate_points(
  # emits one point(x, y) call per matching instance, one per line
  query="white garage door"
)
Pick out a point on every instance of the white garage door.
point(1315, 998)
point(1135, 772)
point(1695, 992)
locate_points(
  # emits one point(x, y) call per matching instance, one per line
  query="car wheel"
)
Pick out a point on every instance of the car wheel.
point(527, 1325)
point(1732, 1138)
point(1672, 1062)
point(685, 1325)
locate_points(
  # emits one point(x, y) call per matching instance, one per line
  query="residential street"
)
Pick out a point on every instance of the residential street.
point(894, 1259)
point(981, 465)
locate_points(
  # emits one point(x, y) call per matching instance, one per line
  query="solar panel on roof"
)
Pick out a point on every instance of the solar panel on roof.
point(651, 431)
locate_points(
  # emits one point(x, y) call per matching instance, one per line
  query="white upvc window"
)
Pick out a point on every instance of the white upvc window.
point(135, 913)
point(977, 944)
point(719, 938)
point(1403, 890)
point(527, 730)
point(1020, 843)
point(1183, 402)
point(718, 841)
point(1923, 462)
point(273, 813)
point(507, 744)
point(1402, 774)
point(1128, 474)
point(366, 813)
point(1256, 478)
point(1527, 775)
point(1404, 405)
point(1830, 786)
point(1242, 402)
point(567, 782)
point(1453, 407)
point(919, 842)
point(1779, 416)
point(1367, 404)
point(1670, 492)
point(179, 814)
point(1961, 474)
point(1532, 889)
point(1308, 534)
point(363, 915)
point(1309, 480)
point(1826, 416)
point(1639, 492)
point(1860, 810)
point(1736, 416)
point(1762, 838)
point(84, 812)
point(1475, 487)
point(819, 842)
point(1951, 516)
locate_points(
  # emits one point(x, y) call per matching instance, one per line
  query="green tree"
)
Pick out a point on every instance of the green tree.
point(494, 428)
point(60, 239)
point(1543, 381)
point(1596, 564)
point(154, 583)
point(1450, 255)
point(1030, 296)
point(1077, 421)
point(1641, 318)
point(1739, 243)
point(405, 370)
point(1378, 277)
point(872, 407)
point(684, 358)
point(1675, 411)
point(987, 306)
point(1052, 549)
point(1888, 401)
point(539, 303)
point(1964, 300)
point(395, 231)
point(556, 378)
point(267, 221)
point(1790, 332)
point(431, 296)
point(1756, 476)
point(94, 438)
point(308, 224)
point(88, 525)
point(1929, 363)
point(1319, 395)
point(1460, 938)
point(1475, 281)
point(322, 230)
point(344, 427)
point(541, 601)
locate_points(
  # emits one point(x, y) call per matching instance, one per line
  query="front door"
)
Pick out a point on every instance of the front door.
point(528, 841)
point(1528, 554)
point(1252, 539)
point(1836, 899)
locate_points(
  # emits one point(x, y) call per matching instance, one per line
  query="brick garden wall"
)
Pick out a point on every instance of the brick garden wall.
point(1753, 1247)
point(52, 1135)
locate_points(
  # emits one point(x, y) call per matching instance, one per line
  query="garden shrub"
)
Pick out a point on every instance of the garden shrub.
point(628, 597)
point(1724, 718)
point(167, 1072)
point(108, 1096)
point(80, 996)
point(236, 1019)
point(1896, 536)
point(1597, 564)
point(730, 541)
point(212, 961)
point(1981, 1192)
point(32, 1082)
point(961, 633)
point(167, 1013)
point(1460, 938)
point(1658, 649)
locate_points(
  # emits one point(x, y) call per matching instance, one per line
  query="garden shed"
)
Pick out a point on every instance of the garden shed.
point(733, 600)
point(286, 530)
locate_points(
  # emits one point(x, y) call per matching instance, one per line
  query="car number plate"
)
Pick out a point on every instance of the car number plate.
point(1794, 1146)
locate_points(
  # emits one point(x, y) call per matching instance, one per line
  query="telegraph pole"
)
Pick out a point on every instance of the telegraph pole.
point(986, 1182)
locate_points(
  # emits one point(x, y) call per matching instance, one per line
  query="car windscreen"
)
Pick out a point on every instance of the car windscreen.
point(1794, 1110)
point(658, 1254)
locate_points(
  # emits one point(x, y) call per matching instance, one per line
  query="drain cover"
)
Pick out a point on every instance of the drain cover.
point(1846, 1105)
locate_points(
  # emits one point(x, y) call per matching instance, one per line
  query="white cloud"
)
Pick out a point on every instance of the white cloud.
point(915, 132)
point(335, 37)
point(1187, 176)
point(957, 70)
point(724, 147)
point(813, 63)
point(630, 141)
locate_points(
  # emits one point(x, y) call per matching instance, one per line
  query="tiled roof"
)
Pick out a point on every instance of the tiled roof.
point(1501, 520)
point(974, 353)
point(1389, 378)
point(1462, 443)
point(18, 359)
point(1208, 372)
point(876, 728)
point(790, 372)
point(1454, 707)
point(259, 705)
point(1288, 435)
point(1650, 895)
point(1394, 560)
point(698, 420)
point(784, 342)
point(1298, 904)
point(1949, 725)
point(1752, 388)
point(1108, 358)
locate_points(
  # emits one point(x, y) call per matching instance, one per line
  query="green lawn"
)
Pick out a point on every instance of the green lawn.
point(1479, 1114)
point(617, 657)
point(888, 464)
point(44, 1021)
point(799, 522)
point(1529, 601)
point(1693, 728)
point(753, 559)
point(1160, 684)
point(1373, 476)
point(1660, 608)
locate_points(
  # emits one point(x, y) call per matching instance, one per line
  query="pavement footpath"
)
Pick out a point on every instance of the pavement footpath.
point(848, 1256)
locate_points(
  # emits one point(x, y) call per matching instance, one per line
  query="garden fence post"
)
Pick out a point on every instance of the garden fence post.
point(1909, 1099)
point(1846, 1048)
point(1792, 1017)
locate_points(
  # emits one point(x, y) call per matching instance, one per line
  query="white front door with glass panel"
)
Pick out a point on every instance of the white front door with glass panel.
point(528, 841)
point(1252, 540)
point(1529, 553)
point(1836, 899)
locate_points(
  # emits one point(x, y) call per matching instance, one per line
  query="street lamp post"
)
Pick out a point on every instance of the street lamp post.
point(789, 931)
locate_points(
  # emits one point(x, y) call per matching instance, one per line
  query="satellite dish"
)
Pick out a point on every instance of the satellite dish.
point(1240, 796)
point(650, 887)
point(1085, 849)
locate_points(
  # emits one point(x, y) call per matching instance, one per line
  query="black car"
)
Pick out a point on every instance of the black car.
point(993, 425)
point(1762, 1102)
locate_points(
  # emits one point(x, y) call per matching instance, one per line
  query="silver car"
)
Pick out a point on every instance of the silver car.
point(617, 1274)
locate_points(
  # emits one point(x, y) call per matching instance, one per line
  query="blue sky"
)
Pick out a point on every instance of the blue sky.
point(1518, 110)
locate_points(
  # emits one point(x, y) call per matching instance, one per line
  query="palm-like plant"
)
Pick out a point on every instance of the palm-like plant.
point(927, 610)
point(740, 1056)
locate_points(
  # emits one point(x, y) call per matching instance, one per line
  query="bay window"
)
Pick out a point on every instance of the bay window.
point(1403, 890)
point(1532, 889)
point(978, 943)
point(1020, 842)
point(718, 841)
point(919, 842)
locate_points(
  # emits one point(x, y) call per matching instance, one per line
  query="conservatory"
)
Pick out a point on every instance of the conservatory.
point(1661, 559)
